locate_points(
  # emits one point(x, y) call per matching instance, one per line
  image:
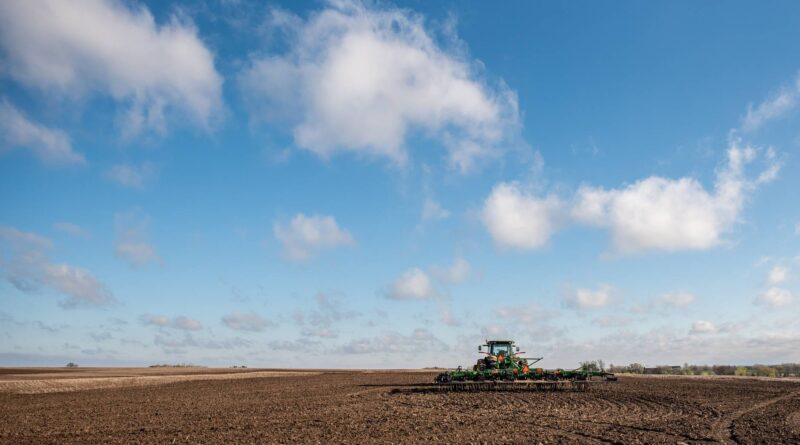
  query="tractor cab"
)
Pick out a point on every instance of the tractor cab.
point(497, 348)
point(500, 354)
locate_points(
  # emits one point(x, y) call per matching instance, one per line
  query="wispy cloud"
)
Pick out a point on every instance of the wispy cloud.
point(394, 342)
point(51, 146)
point(432, 210)
point(73, 230)
point(774, 107)
point(132, 175)
point(132, 245)
point(180, 322)
point(251, 321)
point(23, 258)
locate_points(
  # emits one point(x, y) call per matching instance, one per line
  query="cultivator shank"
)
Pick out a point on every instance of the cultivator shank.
point(521, 386)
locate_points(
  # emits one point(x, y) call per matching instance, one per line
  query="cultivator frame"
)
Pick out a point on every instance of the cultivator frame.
point(504, 369)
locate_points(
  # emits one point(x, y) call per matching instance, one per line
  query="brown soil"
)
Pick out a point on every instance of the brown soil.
point(397, 407)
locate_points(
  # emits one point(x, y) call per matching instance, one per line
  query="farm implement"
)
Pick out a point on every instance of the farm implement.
point(504, 369)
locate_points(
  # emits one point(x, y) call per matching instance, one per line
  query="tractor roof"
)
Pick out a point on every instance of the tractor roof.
point(489, 342)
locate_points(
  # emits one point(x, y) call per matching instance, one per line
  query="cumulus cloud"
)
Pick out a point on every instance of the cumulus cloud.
point(305, 236)
point(703, 327)
point(674, 214)
point(777, 275)
point(25, 265)
point(51, 146)
point(116, 49)
point(181, 323)
point(432, 210)
point(588, 298)
point(414, 284)
point(132, 175)
point(363, 78)
point(246, 322)
point(776, 106)
point(132, 245)
point(776, 297)
point(518, 219)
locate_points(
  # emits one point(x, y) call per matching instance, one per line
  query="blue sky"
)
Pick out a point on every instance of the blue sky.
point(388, 184)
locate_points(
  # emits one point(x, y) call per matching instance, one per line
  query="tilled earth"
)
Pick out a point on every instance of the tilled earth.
point(398, 407)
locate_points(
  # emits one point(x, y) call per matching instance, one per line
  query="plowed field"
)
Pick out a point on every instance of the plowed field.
point(397, 407)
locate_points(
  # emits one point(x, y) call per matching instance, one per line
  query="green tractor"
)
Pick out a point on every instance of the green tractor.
point(504, 363)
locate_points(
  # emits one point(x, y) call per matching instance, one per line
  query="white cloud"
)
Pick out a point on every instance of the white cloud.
point(109, 47)
point(702, 327)
point(458, 273)
point(181, 322)
point(305, 236)
point(664, 214)
point(246, 322)
point(414, 284)
point(72, 230)
point(520, 220)
point(363, 79)
point(773, 108)
point(23, 259)
point(131, 175)
point(432, 210)
point(677, 299)
point(777, 275)
point(51, 146)
point(132, 245)
point(588, 298)
point(776, 297)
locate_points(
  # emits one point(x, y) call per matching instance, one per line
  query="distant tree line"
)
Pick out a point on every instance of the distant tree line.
point(758, 370)
point(176, 365)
